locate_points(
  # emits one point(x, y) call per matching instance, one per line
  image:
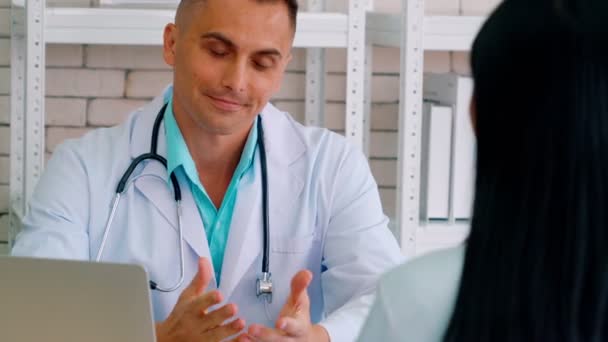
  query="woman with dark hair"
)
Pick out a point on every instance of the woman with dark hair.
point(535, 266)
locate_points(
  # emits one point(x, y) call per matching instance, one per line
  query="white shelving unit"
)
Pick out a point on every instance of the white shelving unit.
point(145, 27)
point(33, 25)
point(413, 33)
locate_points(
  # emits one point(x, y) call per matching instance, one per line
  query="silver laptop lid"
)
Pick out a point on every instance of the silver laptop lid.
point(60, 300)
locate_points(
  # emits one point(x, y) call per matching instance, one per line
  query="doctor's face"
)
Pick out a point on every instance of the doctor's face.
point(228, 57)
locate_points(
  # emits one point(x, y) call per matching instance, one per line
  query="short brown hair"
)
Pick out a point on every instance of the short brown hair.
point(292, 8)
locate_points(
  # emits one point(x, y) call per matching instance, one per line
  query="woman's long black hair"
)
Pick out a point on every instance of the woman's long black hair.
point(536, 264)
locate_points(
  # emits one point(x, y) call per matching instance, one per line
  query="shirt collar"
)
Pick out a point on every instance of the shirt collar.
point(179, 155)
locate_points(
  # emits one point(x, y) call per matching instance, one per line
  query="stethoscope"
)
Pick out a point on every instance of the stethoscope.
point(264, 282)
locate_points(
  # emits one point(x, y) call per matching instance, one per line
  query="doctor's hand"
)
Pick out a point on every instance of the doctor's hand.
point(294, 323)
point(191, 320)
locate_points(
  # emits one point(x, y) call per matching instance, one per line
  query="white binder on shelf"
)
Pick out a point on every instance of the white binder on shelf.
point(436, 162)
point(456, 91)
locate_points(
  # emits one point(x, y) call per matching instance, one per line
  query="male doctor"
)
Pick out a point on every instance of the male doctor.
point(328, 236)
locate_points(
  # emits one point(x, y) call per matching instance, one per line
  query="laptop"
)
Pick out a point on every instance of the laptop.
point(60, 300)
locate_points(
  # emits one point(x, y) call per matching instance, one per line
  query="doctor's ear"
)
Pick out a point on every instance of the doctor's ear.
point(169, 43)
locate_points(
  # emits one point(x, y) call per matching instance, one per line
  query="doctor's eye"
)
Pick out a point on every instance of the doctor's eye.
point(218, 52)
point(260, 66)
point(264, 64)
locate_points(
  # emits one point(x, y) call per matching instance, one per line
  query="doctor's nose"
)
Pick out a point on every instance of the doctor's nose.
point(235, 76)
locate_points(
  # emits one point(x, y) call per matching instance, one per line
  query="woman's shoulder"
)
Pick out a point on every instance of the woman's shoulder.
point(443, 264)
point(421, 293)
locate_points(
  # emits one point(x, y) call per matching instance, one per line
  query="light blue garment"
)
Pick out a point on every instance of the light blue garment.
point(216, 221)
point(324, 211)
point(415, 301)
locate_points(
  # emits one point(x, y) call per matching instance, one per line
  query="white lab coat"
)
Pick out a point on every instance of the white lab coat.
point(325, 216)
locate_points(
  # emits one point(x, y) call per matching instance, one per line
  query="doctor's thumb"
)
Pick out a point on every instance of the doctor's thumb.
point(201, 280)
point(299, 287)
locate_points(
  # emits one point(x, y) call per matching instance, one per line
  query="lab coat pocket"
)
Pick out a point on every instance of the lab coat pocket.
point(289, 255)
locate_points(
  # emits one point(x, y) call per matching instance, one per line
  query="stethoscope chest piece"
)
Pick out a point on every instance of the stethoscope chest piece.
point(264, 286)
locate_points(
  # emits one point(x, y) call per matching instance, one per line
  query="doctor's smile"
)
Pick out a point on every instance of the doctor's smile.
point(226, 104)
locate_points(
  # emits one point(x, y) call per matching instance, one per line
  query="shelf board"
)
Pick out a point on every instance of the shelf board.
point(441, 33)
point(145, 27)
point(438, 227)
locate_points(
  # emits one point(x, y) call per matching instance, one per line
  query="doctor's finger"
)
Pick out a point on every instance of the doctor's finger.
point(200, 305)
point(261, 333)
point(200, 281)
point(222, 332)
point(215, 318)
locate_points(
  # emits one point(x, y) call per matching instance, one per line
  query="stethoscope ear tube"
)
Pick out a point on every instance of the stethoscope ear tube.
point(266, 218)
point(120, 188)
point(264, 284)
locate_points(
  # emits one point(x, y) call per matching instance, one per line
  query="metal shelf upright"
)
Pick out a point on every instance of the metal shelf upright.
point(33, 25)
point(414, 32)
point(27, 105)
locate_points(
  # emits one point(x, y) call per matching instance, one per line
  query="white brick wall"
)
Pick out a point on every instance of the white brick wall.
point(5, 74)
point(125, 57)
point(437, 61)
point(4, 169)
point(478, 7)
point(145, 84)
point(55, 135)
point(66, 112)
point(442, 7)
point(3, 198)
point(4, 109)
point(293, 87)
point(385, 88)
point(85, 83)
point(109, 112)
point(388, 196)
point(461, 63)
point(63, 55)
point(385, 116)
point(385, 60)
point(5, 51)
point(98, 85)
point(5, 22)
point(5, 139)
point(385, 172)
point(3, 230)
point(383, 144)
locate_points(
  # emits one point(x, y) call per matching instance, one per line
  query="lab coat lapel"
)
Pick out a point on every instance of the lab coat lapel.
point(153, 183)
point(245, 236)
point(244, 246)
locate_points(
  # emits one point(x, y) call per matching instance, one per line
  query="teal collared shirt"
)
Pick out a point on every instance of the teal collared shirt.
point(216, 221)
